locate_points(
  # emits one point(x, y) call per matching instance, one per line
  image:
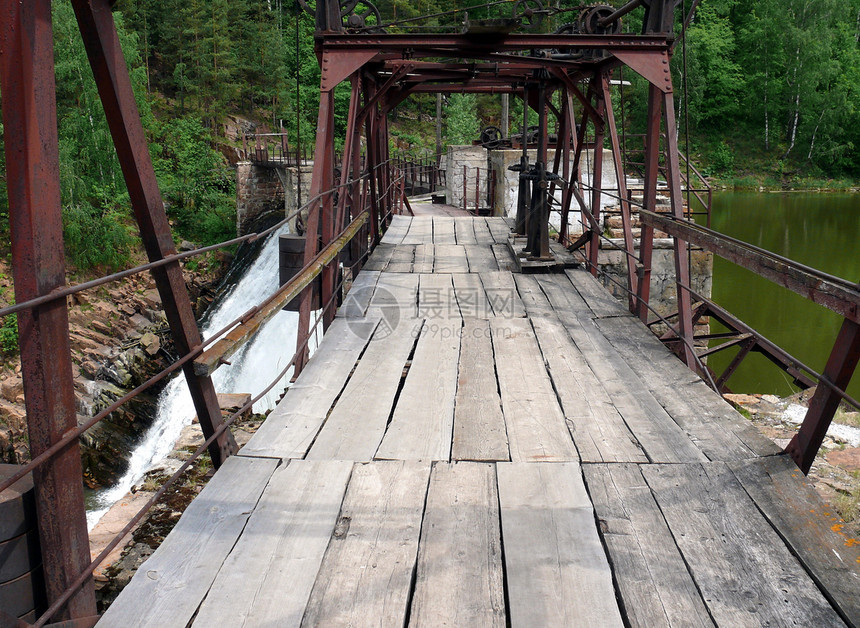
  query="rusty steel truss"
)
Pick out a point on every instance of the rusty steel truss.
point(565, 76)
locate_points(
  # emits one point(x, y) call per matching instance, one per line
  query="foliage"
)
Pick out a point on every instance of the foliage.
point(463, 126)
point(95, 206)
point(198, 188)
point(722, 158)
point(9, 335)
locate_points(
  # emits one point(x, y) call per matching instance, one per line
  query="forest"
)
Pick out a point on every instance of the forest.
point(768, 92)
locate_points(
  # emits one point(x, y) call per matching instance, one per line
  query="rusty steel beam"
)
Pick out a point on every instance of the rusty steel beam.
point(212, 358)
point(822, 408)
point(320, 219)
point(652, 170)
point(98, 29)
point(833, 293)
point(682, 265)
point(765, 347)
point(38, 264)
point(621, 180)
point(465, 45)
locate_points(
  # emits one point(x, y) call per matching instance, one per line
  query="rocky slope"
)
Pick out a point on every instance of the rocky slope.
point(119, 339)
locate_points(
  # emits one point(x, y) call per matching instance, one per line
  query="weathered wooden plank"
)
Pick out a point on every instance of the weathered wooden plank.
point(537, 430)
point(436, 299)
point(357, 423)
point(471, 296)
point(481, 259)
point(423, 421)
point(464, 230)
point(395, 297)
point(267, 579)
point(378, 260)
point(292, 426)
point(169, 587)
point(504, 258)
point(722, 433)
point(812, 530)
point(746, 574)
point(655, 586)
point(483, 235)
point(502, 293)
point(459, 581)
point(499, 229)
point(420, 231)
point(534, 299)
point(557, 571)
point(443, 230)
point(425, 255)
point(397, 230)
point(599, 299)
point(366, 575)
point(450, 258)
point(360, 292)
point(661, 437)
point(599, 431)
point(402, 259)
point(479, 425)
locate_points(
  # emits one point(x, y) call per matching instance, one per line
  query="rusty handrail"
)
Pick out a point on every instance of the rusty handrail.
point(211, 359)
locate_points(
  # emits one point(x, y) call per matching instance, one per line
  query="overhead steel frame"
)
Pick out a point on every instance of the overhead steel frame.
point(30, 121)
point(384, 69)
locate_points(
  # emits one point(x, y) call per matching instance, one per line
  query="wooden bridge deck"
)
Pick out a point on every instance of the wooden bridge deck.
point(471, 447)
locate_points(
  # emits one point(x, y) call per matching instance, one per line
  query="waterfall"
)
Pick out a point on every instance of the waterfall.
point(252, 368)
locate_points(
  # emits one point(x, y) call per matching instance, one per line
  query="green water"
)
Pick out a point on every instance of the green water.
point(819, 230)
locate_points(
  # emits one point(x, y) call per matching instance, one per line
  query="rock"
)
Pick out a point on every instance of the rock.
point(150, 343)
point(771, 399)
point(741, 400)
point(11, 388)
point(848, 459)
point(185, 246)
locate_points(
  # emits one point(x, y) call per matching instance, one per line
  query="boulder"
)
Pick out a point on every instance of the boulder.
point(151, 343)
point(11, 388)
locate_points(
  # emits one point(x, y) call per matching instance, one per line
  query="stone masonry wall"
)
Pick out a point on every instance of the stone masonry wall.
point(258, 192)
point(663, 286)
point(474, 158)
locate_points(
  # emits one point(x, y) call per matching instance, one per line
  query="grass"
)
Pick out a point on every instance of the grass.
point(843, 417)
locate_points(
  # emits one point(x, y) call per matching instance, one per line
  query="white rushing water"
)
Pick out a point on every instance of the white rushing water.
point(251, 370)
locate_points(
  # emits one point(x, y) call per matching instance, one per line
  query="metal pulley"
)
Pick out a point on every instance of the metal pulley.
point(491, 137)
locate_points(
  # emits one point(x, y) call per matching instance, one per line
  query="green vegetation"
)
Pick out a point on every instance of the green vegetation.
point(9, 335)
point(774, 91)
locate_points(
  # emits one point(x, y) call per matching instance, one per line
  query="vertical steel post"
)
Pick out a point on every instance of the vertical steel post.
point(596, 186)
point(652, 168)
point(682, 265)
point(32, 162)
point(319, 218)
point(97, 27)
point(839, 371)
point(623, 202)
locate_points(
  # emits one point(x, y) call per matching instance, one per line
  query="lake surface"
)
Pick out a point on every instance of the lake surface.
point(819, 230)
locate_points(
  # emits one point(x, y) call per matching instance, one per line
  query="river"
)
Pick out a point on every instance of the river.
point(819, 230)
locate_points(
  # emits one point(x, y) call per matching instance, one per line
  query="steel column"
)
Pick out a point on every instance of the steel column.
point(652, 169)
point(38, 263)
point(319, 218)
point(624, 203)
point(97, 27)
point(839, 370)
point(682, 266)
point(596, 184)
